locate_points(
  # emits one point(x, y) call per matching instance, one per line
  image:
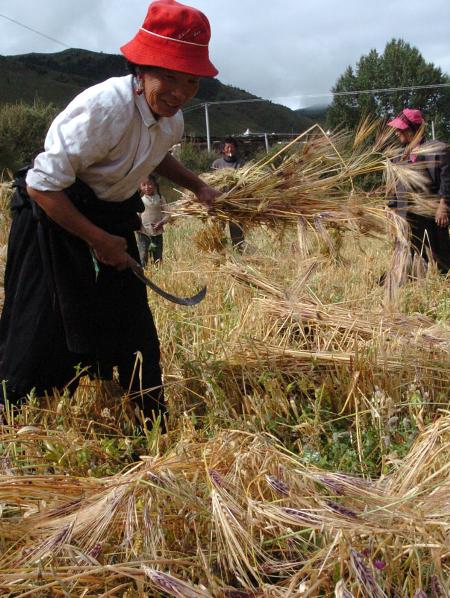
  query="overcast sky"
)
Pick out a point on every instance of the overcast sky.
point(276, 50)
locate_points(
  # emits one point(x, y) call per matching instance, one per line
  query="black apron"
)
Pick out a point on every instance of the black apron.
point(62, 309)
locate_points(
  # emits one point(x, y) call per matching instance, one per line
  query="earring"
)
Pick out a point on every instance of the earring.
point(139, 89)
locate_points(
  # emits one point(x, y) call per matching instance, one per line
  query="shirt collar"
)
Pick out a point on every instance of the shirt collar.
point(148, 116)
point(144, 110)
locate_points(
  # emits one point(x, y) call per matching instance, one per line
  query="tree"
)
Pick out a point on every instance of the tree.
point(400, 65)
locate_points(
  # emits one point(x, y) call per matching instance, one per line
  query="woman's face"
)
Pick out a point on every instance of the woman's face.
point(405, 136)
point(167, 91)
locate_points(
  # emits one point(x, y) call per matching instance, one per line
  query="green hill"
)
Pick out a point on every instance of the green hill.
point(58, 77)
point(317, 113)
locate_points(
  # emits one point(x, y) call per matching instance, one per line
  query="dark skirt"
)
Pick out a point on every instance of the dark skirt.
point(426, 234)
point(63, 310)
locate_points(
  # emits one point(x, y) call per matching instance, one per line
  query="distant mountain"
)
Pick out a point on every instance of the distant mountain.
point(316, 113)
point(58, 77)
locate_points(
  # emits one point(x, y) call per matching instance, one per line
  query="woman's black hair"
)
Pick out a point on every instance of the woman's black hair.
point(131, 68)
point(134, 68)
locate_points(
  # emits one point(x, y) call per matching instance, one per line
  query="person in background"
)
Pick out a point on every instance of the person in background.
point(434, 156)
point(71, 298)
point(153, 218)
point(230, 159)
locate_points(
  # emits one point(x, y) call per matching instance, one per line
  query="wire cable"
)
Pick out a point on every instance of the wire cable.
point(325, 95)
point(34, 30)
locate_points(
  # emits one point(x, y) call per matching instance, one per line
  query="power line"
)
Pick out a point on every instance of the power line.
point(323, 95)
point(192, 108)
point(370, 91)
point(34, 30)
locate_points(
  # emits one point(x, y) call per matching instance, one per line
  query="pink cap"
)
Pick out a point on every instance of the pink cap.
point(408, 118)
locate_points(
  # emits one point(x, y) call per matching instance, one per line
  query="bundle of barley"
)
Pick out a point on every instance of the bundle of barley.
point(238, 515)
point(317, 177)
point(401, 259)
point(211, 238)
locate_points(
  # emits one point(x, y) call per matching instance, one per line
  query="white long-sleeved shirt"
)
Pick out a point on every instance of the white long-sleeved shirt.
point(107, 137)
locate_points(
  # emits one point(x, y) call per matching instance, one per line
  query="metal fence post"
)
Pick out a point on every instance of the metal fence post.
point(208, 135)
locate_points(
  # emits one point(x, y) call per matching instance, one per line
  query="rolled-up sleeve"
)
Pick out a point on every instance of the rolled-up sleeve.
point(108, 138)
point(78, 137)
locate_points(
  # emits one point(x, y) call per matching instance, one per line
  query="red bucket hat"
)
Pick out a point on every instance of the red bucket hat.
point(409, 118)
point(173, 36)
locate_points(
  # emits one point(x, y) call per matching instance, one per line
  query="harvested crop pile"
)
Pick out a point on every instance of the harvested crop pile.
point(236, 513)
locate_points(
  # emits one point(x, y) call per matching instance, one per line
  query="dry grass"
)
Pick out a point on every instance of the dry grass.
point(237, 510)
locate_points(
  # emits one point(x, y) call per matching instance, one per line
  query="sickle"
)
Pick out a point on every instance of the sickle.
point(138, 271)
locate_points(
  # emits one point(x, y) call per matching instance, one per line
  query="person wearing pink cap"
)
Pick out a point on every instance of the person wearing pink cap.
point(434, 159)
point(70, 298)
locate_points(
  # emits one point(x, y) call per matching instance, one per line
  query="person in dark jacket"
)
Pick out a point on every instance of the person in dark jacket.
point(230, 159)
point(71, 298)
point(433, 158)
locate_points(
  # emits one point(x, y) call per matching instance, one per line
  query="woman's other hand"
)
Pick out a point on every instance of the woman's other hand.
point(111, 250)
point(206, 195)
point(441, 215)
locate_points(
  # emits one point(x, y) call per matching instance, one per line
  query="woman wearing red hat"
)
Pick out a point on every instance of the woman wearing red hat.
point(70, 298)
point(434, 157)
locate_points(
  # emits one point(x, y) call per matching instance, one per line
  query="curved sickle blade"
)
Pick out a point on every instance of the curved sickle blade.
point(139, 272)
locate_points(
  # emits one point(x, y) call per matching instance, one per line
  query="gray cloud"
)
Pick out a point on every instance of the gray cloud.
point(275, 50)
